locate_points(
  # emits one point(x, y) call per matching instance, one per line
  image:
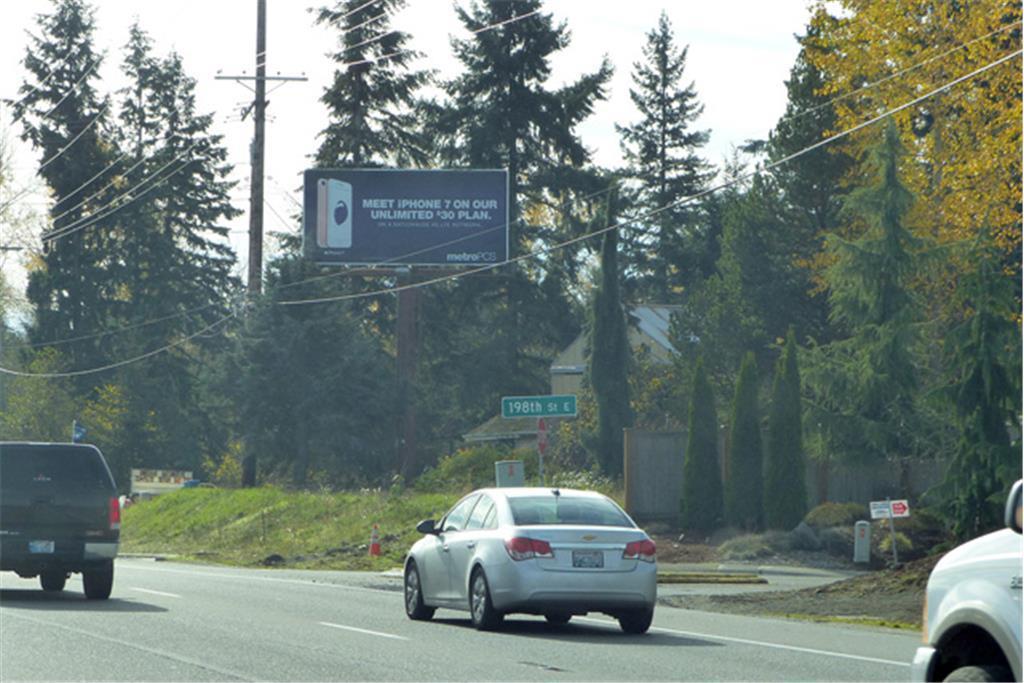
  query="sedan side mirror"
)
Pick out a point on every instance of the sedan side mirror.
point(426, 527)
point(1013, 508)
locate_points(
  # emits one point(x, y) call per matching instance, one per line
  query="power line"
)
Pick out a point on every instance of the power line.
point(73, 140)
point(74, 86)
point(655, 212)
point(565, 243)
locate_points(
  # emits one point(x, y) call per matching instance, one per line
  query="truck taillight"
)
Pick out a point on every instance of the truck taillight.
point(115, 514)
point(640, 550)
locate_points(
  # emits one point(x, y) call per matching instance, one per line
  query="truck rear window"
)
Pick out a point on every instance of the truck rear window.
point(576, 510)
point(63, 467)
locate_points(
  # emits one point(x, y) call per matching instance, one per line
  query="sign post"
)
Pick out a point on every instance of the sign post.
point(542, 447)
point(888, 509)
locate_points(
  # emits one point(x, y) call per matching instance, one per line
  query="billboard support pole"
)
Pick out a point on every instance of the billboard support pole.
point(408, 351)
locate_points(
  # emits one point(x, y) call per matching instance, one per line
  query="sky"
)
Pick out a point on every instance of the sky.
point(740, 54)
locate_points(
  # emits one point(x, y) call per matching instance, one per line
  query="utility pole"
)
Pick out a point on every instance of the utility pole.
point(254, 284)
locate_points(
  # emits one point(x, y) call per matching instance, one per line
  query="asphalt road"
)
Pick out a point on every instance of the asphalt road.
point(175, 622)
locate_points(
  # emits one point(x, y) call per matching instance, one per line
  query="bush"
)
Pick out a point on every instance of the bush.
point(837, 540)
point(836, 514)
point(472, 468)
point(755, 546)
point(904, 547)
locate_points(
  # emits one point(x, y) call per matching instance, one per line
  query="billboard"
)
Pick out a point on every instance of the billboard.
point(158, 481)
point(405, 217)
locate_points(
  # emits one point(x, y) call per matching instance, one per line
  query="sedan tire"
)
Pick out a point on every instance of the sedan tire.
point(414, 606)
point(558, 618)
point(481, 609)
point(636, 621)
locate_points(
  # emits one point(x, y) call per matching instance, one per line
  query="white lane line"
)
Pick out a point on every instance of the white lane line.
point(759, 643)
point(363, 630)
point(248, 577)
point(146, 590)
point(90, 633)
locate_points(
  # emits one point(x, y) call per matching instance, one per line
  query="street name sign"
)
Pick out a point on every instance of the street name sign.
point(886, 509)
point(555, 405)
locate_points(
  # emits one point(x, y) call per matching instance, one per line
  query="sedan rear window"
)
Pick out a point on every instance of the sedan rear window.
point(534, 510)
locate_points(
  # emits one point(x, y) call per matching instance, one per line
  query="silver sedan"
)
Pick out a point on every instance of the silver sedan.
point(544, 551)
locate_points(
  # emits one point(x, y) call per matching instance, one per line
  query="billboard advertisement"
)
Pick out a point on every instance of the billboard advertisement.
point(405, 217)
point(158, 481)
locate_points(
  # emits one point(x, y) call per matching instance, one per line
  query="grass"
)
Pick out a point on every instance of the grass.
point(248, 526)
point(711, 577)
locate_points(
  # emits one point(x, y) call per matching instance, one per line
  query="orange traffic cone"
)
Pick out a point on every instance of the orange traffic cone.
point(374, 542)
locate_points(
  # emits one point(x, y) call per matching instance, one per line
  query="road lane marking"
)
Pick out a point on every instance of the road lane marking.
point(222, 575)
point(363, 630)
point(759, 643)
point(146, 590)
point(124, 643)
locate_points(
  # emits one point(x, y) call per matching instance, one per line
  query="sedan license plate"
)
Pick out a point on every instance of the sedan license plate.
point(588, 559)
point(41, 547)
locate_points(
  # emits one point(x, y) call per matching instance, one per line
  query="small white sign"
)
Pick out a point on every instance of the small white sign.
point(884, 509)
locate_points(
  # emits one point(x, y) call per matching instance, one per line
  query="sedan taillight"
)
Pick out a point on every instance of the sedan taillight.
point(115, 514)
point(522, 548)
point(640, 550)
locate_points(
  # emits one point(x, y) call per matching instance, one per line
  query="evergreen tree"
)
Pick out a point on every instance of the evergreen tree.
point(785, 485)
point(983, 352)
point(702, 473)
point(864, 385)
point(744, 484)
point(499, 113)
point(64, 117)
point(661, 152)
point(372, 99)
point(609, 355)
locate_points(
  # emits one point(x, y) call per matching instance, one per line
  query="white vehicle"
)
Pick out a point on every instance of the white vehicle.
point(972, 613)
point(555, 552)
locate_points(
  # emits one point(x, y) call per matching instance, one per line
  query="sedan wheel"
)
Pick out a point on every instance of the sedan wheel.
point(636, 621)
point(414, 607)
point(482, 611)
point(558, 618)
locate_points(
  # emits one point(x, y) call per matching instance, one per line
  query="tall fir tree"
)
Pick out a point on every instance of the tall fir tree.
point(64, 117)
point(983, 353)
point(372, 100)
point(863, 384)
point(500, 113)
point(662, 155)
point(609, 360)
point(744, 483)
point(785, 476)
point(702, 503)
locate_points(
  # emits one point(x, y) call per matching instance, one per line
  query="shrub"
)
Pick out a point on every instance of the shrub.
point(904, 547)
point(472, 468)
point(837, 540)
point(754, 546)
point(836, 514)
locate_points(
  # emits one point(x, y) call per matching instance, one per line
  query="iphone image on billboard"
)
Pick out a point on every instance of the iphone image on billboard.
point(333, 214)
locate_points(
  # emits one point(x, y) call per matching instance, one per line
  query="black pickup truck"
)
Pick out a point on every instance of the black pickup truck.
point(59, 513)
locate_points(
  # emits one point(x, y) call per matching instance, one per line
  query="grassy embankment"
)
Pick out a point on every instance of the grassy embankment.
point(306, 530)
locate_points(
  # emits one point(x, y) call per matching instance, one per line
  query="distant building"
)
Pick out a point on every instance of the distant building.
point(648, 328)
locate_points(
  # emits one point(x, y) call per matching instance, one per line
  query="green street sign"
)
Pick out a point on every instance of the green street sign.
point(560, 405)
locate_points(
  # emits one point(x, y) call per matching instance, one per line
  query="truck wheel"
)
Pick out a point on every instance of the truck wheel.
point(980, 674)
point(53, 580)
point(98, 580)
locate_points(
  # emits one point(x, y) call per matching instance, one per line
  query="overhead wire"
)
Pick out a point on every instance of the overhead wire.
point(563, 244)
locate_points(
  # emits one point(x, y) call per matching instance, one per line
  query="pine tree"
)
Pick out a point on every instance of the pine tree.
point(744, 484)
point(64, 117)
point(372, 99)
point(982, 352)
point(785, 485)
point(702, 474)
point(661, 152)
point(864, 385)
point(609, 355)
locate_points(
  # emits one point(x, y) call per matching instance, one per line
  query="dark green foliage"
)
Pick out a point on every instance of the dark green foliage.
point(473, 468)
point(863, 385)
point(837, 514)
point(983, 353)
point(702, 473)
point(744, 483)
point(785, 492)
point(661, 150)
point(609, 361)
point(372, 104)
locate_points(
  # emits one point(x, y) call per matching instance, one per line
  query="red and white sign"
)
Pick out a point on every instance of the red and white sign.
point(542, 436)
point(884, 509)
